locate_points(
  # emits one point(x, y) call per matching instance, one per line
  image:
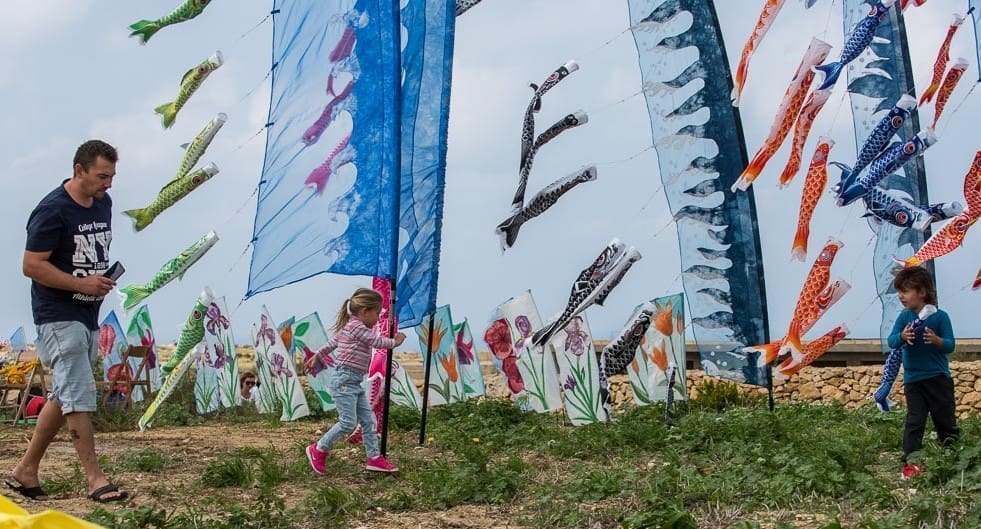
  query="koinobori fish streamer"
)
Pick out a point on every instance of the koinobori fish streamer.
point(592, 286)
point(895, 359)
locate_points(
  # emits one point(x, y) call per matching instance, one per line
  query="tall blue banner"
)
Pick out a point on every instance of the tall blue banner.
point(328, 195)
point(876, 80)
point(427, 63)
point(722, 268)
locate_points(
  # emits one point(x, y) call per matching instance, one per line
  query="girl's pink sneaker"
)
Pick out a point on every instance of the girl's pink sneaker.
point(380, 464)
point(317, 457)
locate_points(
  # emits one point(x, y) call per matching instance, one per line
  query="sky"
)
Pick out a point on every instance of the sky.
point(72, 74)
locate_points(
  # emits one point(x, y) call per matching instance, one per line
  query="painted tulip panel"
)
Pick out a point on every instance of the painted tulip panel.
point(662, 346)
point(445, 384)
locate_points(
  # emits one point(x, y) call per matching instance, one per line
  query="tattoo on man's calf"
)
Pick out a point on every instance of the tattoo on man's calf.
point(75, 435)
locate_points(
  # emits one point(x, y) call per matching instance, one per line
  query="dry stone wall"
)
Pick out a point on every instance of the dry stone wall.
point(851, 386)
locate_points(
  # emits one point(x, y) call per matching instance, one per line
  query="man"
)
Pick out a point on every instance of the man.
point(67, 252)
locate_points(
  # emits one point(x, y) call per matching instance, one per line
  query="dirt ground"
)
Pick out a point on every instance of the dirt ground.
point(187, 451)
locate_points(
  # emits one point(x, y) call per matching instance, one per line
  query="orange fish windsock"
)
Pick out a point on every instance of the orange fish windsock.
point(763, 23)
point(812, 351)
point(793, 100)
point(802, 128)
point(954, 75)
point(940, 64)
point(814, 184)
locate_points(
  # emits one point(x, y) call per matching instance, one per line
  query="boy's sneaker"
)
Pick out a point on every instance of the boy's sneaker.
point(910, 470)
point(317, 457)
point(380, 464)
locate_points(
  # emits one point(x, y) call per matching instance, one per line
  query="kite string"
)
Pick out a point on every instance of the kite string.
point(958, 107)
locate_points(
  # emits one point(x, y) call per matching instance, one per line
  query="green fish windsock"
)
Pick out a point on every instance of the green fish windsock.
point(166, 388)
point(133, 294)
point(195, 150)
point(144, 29)
point(192, 333)
point(169, 195)
point(189, 83)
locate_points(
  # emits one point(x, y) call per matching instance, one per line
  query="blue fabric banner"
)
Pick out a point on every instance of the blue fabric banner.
point(876, 80)
point(699, 159)
point(427, 63)
point(328, 195)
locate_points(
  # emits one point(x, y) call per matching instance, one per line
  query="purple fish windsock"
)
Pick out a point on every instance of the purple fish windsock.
point(860, 39)
point(618, 353)
point(528, 130)
point(330, 112)
point(895, 359)
point(342, 154)
point(877, 140)
point(507, 231)
point(888, 162)
point(594, 283)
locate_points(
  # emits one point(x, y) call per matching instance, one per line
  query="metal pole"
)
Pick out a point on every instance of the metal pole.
point(425, 385)
point(388, 368)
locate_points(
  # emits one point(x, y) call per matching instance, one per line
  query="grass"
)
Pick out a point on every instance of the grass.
point(727, 462)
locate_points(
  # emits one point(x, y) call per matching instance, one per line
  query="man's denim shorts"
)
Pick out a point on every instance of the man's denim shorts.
point(69, 349)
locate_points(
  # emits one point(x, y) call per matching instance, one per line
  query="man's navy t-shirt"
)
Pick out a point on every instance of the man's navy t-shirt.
point(78, 238)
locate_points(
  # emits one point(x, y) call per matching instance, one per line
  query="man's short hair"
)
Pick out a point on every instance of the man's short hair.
point(88, 152)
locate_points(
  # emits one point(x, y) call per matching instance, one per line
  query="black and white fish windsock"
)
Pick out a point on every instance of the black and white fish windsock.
point(618, 353)
point(462, 6)
point(507, 231)
point(528, 143)
point(669, 399)
point(594, 283)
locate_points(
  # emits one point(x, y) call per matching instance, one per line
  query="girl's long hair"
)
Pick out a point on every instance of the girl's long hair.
point(363, 299)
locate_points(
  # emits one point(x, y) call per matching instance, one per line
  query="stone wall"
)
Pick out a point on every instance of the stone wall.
point(852, 386)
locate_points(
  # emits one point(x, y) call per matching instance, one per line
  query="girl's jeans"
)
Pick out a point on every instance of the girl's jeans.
point(352, 408)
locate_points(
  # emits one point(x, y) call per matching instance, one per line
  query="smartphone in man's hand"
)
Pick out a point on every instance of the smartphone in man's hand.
point(115, 271)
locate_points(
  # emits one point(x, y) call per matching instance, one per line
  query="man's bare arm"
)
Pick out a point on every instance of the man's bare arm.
point(37, 266)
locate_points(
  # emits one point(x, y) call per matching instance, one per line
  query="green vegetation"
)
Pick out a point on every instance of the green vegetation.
point(726, 462)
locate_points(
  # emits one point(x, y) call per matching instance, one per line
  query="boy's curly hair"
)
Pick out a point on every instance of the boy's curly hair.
point(916, 278)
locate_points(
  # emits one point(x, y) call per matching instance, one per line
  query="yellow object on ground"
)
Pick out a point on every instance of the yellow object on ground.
point(14, 517)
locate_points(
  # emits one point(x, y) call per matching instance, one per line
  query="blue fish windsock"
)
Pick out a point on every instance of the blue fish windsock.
point(877, 140)
point(860, 39)
point(895, 359)
point(888, 162)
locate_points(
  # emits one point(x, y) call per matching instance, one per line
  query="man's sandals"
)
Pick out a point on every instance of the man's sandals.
point(98, 495)
point(31, 493)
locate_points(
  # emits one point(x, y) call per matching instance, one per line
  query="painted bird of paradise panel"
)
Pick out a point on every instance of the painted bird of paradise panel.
point(309, 335)
point(578, 372)
point(279, 369)
point(220, 347)
point(466, 352)
point(536, 367)
point(662, 346)
point(140, 331)
point(445, 383)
